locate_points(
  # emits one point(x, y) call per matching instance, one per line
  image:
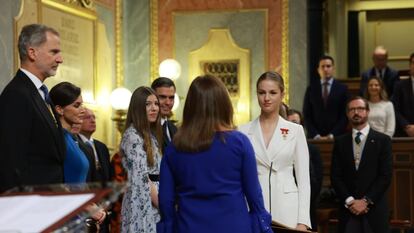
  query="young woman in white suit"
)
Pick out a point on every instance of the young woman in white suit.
point(281, 150)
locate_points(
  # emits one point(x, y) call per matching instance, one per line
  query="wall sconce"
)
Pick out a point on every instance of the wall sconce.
point(119, 99)
point(170, 68)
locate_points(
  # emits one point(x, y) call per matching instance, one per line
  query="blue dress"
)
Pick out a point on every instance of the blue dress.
point(76, 164)
point(216, 190)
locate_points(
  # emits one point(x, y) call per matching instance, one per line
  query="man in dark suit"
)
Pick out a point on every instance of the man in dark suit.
point(324, 103)
point(100, 168)
point(98, 152)
point(381, 70)
point(403, 101)
point(165, 89)
point(361, 172)
point(31, 139)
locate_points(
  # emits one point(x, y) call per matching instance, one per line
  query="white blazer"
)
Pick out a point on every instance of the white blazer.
point(287, 202)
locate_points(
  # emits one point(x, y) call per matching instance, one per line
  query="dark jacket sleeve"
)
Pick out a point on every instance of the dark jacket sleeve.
point(383, 180)
point(342, 122)
point(338, 173)
point(308, 114)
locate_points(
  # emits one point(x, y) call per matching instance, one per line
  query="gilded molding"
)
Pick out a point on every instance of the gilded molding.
point(285, 47)
point(154, 39)
point(119, 68)
point(67, 4)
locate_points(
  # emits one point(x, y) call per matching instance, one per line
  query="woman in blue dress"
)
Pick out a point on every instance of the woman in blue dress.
point(68, 105)
point(208, 180)
point(140, 149)
point(67, 101)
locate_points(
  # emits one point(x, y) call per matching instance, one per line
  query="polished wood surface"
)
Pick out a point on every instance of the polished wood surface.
point(401, 191)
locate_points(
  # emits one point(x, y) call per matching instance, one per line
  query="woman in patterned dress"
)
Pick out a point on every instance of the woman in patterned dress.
point(141, 156)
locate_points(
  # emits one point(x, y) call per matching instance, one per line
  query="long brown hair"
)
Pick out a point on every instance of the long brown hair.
point(207, 109)
point(137, 117)
point(276, 77)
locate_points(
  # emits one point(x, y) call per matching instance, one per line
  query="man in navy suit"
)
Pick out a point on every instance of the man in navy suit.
point(31, 139)
point(324, 103)
point(403, 101)
point(381, 70)
point(165, 89)
point(361, 172)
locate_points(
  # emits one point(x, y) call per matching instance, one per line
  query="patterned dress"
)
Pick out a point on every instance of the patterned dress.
point(138, 214)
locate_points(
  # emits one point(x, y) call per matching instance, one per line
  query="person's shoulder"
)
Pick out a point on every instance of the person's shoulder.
point(289, 124)
point(392, 71)
point(380, 136)
point(292, 128)
point(244, 128)
point(366, 73)
point(97, 142)
point(339, 84)
point(131, 132)
point(232, 133)
point(388, 104)
point(16, 87)
point(234, 136)
point(402, 83)
point(343, 137)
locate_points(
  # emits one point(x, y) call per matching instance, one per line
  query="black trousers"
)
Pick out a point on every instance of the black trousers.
point(358, 224)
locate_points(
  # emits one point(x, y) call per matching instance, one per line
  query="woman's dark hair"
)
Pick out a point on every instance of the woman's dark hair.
point(292, 111)
point(207, 109)
point(64, 93)
point(137, 117)
point(162, 82)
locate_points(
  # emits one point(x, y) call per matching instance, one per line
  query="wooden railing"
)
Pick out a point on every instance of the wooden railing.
point(401, 192)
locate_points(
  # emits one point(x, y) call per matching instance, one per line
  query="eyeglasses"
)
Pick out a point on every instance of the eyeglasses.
point(357, 109)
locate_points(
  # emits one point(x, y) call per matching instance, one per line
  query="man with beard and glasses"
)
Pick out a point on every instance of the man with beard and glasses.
point(361, 173)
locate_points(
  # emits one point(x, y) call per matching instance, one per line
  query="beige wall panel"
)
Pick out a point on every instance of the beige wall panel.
point(397, 37)
point(392, 31)
point(105, 65)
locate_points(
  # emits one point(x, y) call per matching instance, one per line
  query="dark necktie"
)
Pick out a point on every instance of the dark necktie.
point(358, 138)
point(325, 92)
point(165, 130)
point(91, 146)
point(45, 91)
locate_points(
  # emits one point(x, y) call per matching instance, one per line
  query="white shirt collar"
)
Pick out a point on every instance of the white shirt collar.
point(329, 81)
point(364, 131)
point(36, 81)
point(84, 138)
point(163, 120)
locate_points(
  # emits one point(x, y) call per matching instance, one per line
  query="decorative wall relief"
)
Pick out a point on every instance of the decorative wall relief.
point(223, 58)
point(227, 72)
